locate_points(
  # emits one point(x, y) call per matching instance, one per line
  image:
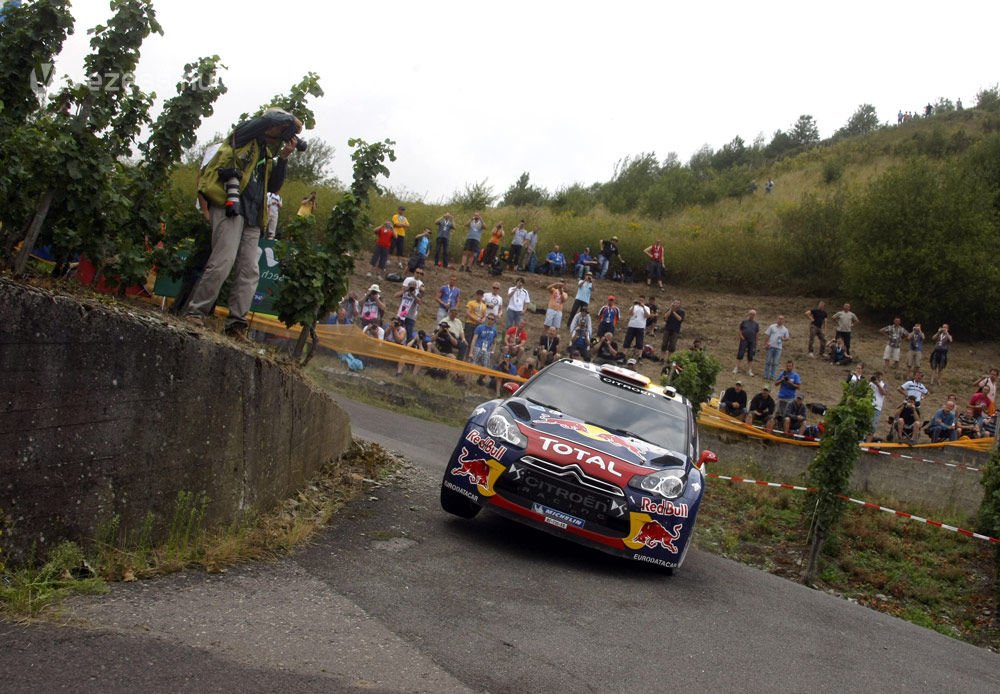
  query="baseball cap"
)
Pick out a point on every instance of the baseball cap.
point(631, 362)
point(739, 383)
point(375, 288)
point(443, 323)
point(767, 388)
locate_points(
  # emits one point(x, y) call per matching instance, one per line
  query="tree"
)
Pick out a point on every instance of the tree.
point(633, 176)
point(805, 132)
point(989, 99)
point(781, 143)
point(316, 274)
point(693, 375)
point(864, 121)
point(312, 167)
point(476, 196)
point(576, 199)
point(522, 193)
point(830, 472)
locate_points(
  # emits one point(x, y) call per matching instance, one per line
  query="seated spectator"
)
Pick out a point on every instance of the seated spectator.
point(507, 366)
point(548, 347)
point(607, 351)
point(580, 330)
point(734, 400)
point(515, 339)
point(585, 262)
point(967, 424)
point(838, 352)
point(942, 425)
point(444, 343)
point(761, 408)
point(904, 421)
point(795, 416)
point(457, 329)
point(989, 426)
point(527, 369)
point(374, 330)
point(555, 262)
point(980, 402)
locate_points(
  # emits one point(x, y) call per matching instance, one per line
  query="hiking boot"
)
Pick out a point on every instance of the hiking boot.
point(238, 332)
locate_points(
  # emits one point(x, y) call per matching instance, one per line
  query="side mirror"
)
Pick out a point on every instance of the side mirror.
point(707, 457)
point(511, 387)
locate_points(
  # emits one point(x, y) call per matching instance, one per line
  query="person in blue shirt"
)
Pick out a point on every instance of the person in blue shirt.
point(788, 383)
point(585, 263)
point(484, 337)
point(942, 426)
point(555, 262)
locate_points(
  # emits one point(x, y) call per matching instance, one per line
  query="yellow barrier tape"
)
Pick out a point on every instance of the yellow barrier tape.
point(716, 419)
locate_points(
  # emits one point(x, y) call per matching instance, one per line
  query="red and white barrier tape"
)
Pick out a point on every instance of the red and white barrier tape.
point(894, 454)
point(865, 504)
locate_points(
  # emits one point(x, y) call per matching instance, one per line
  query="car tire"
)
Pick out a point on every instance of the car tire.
point(457, 505)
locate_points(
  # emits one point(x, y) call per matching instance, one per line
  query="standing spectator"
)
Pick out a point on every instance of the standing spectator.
point(259, 148)
point(748, 331)
point(788, 382)
point(654, 271)
point(555, 262)
point(400, 224)
point(372, 308)
point(396, 334)
point(817, 326)
point(494, 301)
point(896, 334)
point(472, 238)
point(475, 315)
point(672, 329)
point(516, 245)
point(484, 340)
point(915, 356)
point(877, 385)
point(517, 300)
point(447, 297)
point(580, 331)
point(445, 342)
point(776, 335)
point(858, 374)
point(421, 248)
point(444, 224)
point(734, 400)
point(383, 245)
point(845, 320)
point(557, 297)
point(988, 386)
point(915, 387)
point(514, 340)
point(307, 206)
point(939, 357)
point(942, 426)
point(607, 317)
point(584, 289)
point(635, 332)
point(548, 347)
point(410, 297)
point(609, 249)
point(530, 260)
point(761, 408)
point(273, 208)
point(769, 186)
point(496, 238)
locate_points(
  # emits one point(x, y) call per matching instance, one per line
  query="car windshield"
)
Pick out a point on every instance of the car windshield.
point(585, 394)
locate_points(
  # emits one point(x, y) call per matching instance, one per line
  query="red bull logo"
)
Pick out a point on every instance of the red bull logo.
point(478, 471)
point(653, 533)
point(594, 432)
point(664, 508)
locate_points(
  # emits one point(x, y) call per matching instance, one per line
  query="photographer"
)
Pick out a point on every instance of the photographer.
point(445, 343)
point(250, 164)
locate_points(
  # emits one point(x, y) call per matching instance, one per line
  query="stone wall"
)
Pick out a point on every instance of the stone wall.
point(107, 410)
point(915, 484)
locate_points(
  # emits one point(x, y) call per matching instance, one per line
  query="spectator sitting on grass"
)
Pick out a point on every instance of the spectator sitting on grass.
point(555, 262)
point(734, 400)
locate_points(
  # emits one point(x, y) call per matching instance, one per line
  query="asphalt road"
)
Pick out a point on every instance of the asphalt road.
point(398, 596)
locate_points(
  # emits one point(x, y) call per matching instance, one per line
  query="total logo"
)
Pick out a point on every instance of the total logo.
point(664, 508)
point(580, 455)
point(594, 432)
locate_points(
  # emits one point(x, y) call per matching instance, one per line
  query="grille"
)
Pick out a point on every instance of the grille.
point(601, 505)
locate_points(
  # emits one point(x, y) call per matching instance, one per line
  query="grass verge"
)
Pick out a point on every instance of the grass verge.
point(27, 592)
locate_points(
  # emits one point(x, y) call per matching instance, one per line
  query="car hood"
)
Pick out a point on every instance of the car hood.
point(561, 438)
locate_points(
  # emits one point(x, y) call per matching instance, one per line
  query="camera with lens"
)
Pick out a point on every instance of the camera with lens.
point(301, 145)
point(231, 182)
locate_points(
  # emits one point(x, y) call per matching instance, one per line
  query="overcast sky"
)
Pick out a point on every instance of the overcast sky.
point(563, 90)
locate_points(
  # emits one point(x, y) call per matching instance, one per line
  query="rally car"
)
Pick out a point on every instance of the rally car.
point(597, 454)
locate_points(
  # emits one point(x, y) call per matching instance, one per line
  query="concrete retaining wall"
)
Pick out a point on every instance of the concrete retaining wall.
point(106, 411)
point(918, 484)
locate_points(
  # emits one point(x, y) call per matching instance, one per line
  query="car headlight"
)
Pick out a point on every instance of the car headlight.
point(501, 425)
point(667, 483)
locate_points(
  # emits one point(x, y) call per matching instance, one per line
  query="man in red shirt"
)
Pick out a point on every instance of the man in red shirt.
point(384, 236)
point(515, 339)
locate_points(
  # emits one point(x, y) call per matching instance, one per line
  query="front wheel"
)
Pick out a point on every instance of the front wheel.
point(457, 505)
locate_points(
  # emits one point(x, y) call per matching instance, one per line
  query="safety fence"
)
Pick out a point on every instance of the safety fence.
point(864, 504)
